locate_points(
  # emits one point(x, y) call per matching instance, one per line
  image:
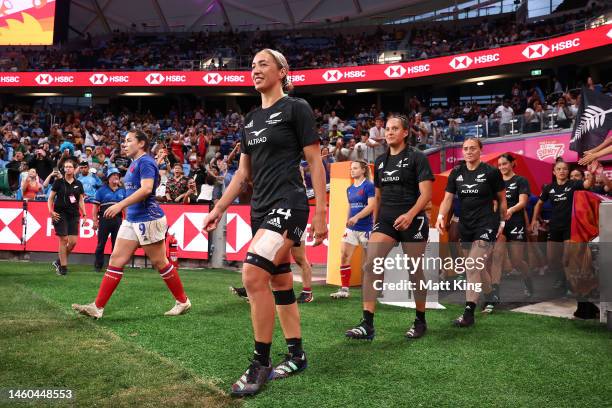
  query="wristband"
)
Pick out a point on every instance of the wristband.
point(440, 217)
point(502, 224)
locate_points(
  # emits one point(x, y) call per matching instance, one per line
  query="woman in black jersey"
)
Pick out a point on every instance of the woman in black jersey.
point(273, 139)
point(561, 195)
point(403, 180)
point(477, 185)
point(515, 231)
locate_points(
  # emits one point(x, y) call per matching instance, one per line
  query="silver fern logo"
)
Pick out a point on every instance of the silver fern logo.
point(592, 118)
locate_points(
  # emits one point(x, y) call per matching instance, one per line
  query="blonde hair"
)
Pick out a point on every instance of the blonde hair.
point(365, 167)
point(281, 62)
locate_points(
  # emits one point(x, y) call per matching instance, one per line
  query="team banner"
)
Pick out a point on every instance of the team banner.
point(515, 54)
point(593, 121)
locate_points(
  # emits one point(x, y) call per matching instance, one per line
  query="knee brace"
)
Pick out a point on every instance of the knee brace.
point(284, 297)
point(283, 268)
point(260, 262)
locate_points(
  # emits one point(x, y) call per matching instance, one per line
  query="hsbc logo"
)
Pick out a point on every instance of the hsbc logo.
point(460, 62)
point(535, 51)
point(332, 75)
point(43, 79)
point(212, 79)
point(46, 79)
point(8, 79)
point(297, 78)
point(154, 78)
point(98, 79)
point(395, 71)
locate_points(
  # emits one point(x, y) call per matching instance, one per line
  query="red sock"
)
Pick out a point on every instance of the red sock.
point(171, 277)
point(345, 275)
point(305, 289)
point(110, 280)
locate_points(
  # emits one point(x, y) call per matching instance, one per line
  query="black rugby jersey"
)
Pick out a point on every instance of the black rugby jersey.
point(274, 139)
point(516, 186)
point(398, 177)
point(562, 199)
point(476, 190)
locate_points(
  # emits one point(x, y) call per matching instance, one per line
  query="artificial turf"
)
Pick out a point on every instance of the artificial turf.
point(135, 356)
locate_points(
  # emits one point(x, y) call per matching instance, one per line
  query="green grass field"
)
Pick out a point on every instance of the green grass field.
point(135, 356)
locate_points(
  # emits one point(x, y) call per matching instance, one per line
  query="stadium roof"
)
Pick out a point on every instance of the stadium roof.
point(104, 16)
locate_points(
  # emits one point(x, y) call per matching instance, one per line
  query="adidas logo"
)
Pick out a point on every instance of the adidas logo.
point(275, 222)
point(250, 125)
point(381, 165)
point(552, 190)
point(418, 235)
point(484, 236)
point(375, 227)
point(460, 178)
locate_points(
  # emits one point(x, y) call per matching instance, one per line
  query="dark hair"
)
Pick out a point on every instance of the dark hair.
point(478, 141)
point(69, 161)
point(402, 118)
point(141, 137)
point(508, 157)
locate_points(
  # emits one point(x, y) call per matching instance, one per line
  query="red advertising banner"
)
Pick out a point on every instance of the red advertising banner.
point(238, 236)
point(542, 50)
point(185, 223)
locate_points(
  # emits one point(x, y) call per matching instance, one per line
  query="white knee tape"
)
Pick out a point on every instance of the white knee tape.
point(268, 244)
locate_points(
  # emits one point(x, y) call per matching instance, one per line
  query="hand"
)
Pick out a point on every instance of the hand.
point(508, 214)
point(318, 228)
point(440, 226)
point(96, 224)
point(112, 211)
point(212, 220)
point(55, 216)
point(352, 221)
point(178, 199)
point(402, 222)
point(595, 168)
point(588, 158)
point(535, 225)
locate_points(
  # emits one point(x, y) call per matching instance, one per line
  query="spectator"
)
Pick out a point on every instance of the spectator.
point(377, 139)
point(504, 114)
point(41, 163)
point(176, 185)
point(91, 183)
point(534, 117)
point(31, 186)
point(334, 133)
point(563, 114)
point(333, 120)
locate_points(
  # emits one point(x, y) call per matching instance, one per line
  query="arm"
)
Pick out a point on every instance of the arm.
point(445, 207)
point(146, 188)
point(82, 206)
point(312, 153)
point(50, 206)
point(589, 157)
point(522, 203)
point(377, 199)
point(536, 215)
point(403, 222)
point(367, 210)
point(503, 210)
point(94, 215)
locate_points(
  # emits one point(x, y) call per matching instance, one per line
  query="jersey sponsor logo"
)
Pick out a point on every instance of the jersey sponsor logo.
point(552, 190)
point(512, 186)
point(390, 173)
point(249, 125)
point(460, 178)
point(275, 222)
point(257, 140)
point(470, 185)
point(560, 197)
point(257, 132)
point(381, 165)
point(484, 236)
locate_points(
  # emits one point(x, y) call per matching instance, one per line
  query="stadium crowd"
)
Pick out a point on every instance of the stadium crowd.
point(307, 49)
point(197, 150)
